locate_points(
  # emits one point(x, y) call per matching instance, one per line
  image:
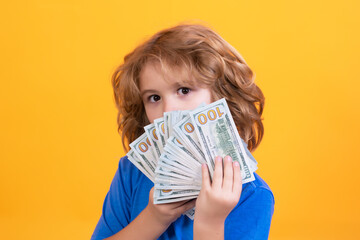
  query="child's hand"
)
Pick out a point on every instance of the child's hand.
point(217, 199)
point(167, 213)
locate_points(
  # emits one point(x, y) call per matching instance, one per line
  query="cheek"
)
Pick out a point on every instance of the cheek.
point(213, 96)
point(152, 114)
point(149, 116)
point(201, 97)
point(207, 97)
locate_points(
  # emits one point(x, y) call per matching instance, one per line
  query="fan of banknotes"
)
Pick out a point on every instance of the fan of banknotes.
point(172, 149)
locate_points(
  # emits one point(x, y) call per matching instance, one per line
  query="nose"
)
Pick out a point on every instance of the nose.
point(169, 105)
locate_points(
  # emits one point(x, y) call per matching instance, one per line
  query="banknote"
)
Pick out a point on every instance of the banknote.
point(172, 118)
point(174, 194)
point(185, 131)
point(177, 186)
point(167, 116)
point(153, 135)
point(219, 136)
point(169, 172)
point(175, 166)
point(160, 129)
point(251, 160)
point(175, 199)
point(190, 213)
point(142, 148)
point(180, 149)
point(140, 165)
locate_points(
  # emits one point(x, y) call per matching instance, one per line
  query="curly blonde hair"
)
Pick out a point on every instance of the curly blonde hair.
point(210, 60)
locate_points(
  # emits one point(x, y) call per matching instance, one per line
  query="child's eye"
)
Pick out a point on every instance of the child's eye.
point(184, 90)
point(154, 98)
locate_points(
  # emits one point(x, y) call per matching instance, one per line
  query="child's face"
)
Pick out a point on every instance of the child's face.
point(161, 95)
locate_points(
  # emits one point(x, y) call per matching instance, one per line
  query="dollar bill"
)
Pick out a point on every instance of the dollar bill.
point(162, 186)
point(167, 116)
point(175, 166)
point(175, 194)
point(153, 135)
point(140, 165)
point(219, 136)
point(142, 148)
point(251, 160)
point(160, 129)
point(163, 171)
point(170, 200)
point(179, 149)
point(185, 131)
point(190, 213)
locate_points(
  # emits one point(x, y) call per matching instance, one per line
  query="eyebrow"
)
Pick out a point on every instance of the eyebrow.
point(142, 93)
point(174, 85)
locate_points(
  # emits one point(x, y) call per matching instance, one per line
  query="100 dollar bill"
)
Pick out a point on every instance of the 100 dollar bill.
point(219, 136)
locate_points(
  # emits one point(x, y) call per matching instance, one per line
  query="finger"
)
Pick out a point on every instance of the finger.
point(188, 205)
point(151, 195)
point(175, 205)
point(228, 174)
point(205, 177)
point(218, 173)
point(237, 186)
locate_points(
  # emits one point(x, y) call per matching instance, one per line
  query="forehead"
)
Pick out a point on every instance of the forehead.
point(154, 70)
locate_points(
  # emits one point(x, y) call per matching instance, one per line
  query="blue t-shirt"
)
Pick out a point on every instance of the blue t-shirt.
point(129, 195)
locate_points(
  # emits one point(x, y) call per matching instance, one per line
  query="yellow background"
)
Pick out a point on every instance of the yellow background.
point(60, 147)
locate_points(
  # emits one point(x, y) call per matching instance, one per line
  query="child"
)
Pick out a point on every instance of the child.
point(178, 69)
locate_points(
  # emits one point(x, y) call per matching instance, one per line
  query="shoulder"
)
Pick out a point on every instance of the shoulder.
point(257, 190)
point(129, 175)
point(256, 201)
point(125, 182)
point(251, 218)
point(123, 201)
point(125, 165)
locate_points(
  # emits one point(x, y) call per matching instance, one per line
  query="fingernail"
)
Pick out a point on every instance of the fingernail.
point(228, 158)
point(218, 159)
point(236, 164)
